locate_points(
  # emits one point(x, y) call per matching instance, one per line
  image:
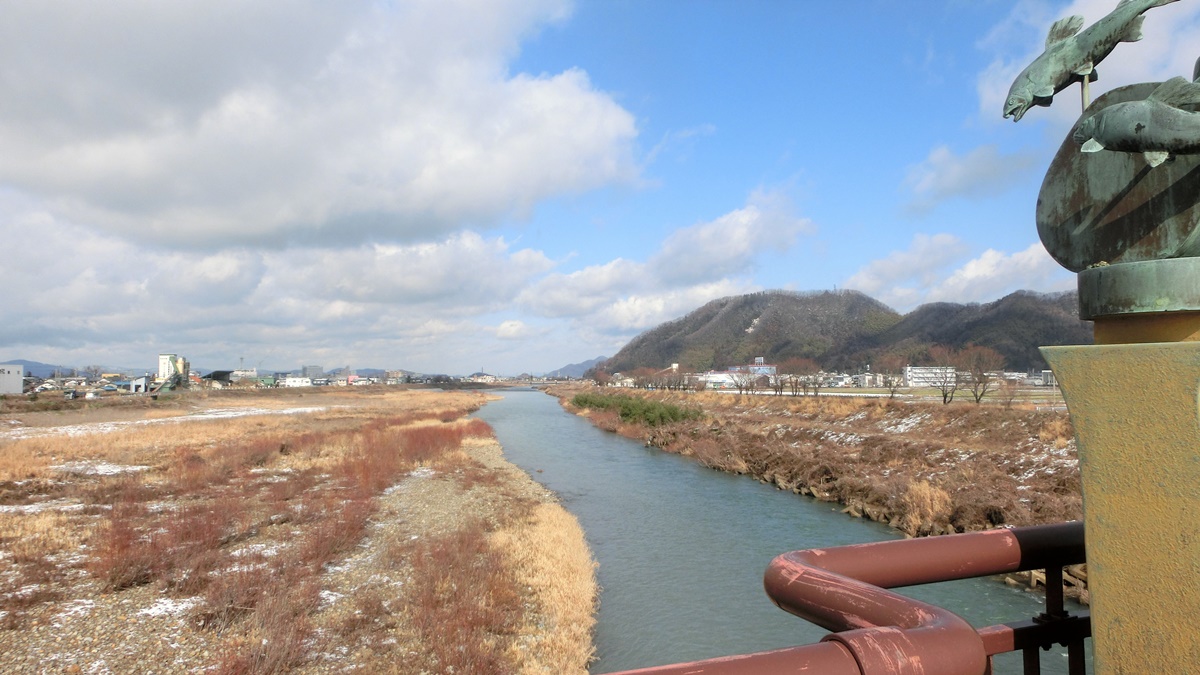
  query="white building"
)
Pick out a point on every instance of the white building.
point(293, 381)
point(170, 365)
point(12, 378)
point(928, 376)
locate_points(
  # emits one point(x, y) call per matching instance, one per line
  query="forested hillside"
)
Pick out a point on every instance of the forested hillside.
point(845, 330)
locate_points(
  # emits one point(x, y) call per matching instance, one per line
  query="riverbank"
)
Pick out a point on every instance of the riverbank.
point(311, 531)
point(922, 468)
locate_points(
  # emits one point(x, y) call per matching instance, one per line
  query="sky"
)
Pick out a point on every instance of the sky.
point(510, 186)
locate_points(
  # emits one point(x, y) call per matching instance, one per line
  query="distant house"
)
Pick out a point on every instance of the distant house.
point(294, 381)
point(135, 385)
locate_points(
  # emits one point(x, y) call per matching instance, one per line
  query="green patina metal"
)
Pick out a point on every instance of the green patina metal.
point(1120, 205)
point(1151, 286)
point(1126, 217)
point(1071, 55)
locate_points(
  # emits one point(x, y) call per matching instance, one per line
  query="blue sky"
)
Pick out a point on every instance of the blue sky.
point(510, 185)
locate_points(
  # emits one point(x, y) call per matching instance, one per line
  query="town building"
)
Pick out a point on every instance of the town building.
point(12, 378)
point(928, 376)
point(170, 365)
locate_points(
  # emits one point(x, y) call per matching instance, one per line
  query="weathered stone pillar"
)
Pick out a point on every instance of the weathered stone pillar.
point(1136, 411)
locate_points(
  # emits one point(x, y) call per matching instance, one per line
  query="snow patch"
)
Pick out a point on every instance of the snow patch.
point(170, 607)
point(98, 468)
point(74, 608)
point(329, 597)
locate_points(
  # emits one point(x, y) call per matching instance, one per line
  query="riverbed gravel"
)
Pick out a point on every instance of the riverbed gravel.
point(74, 625)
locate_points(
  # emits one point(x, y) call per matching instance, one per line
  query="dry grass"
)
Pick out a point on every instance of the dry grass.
point(466, 604)
point(925, 508)
point(548, 554)
point(212, 495)
point(923, 468)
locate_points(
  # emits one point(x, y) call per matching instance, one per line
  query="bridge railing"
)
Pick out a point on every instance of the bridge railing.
point(877, 632)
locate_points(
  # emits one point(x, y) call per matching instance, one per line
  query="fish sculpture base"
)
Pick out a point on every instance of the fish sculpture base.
point(1106, 207)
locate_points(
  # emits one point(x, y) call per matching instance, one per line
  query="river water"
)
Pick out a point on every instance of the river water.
point(682, 548)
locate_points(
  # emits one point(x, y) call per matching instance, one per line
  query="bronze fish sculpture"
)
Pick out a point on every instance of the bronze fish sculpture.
point(1069, 57)
point(1157, 126)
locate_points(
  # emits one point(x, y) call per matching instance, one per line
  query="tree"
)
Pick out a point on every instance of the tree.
point(602, 378)
point(980, 365)
point(778, 383)
point(799, 372)
point(643, 377)
point(891, 366)
point(1008, 393)
point(745, 382)
point(815, 381)
point(794, 384)
point(946, 380)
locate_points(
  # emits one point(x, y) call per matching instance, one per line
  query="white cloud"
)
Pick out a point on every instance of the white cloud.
point(680, 142)
point(584, 291)
point(931, 271)
point(74, 293)
point(703, 262)
point(995, 274)
point(465, 271)
point(732, 243)
point(635, 313)
point(892, 279)
point(982, 172)
point(1167, 50)
point(218, 123)
point(514, 330)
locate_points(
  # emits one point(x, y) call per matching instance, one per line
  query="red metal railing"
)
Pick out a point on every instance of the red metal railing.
point(878, 632)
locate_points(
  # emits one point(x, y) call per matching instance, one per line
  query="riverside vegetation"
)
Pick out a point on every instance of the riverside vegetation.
point(923, 468)
point(326, 530)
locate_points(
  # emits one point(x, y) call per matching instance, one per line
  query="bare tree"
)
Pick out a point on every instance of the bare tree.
point(1008, 393)
point(778, 383)
point(794, 383)
point(800, 371)
point(980, 365)
point(946, 380)
point(643, 377)
point(891, 366)
point(745, 382)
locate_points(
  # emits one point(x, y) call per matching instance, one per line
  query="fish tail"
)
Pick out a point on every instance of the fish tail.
point(1133, 32)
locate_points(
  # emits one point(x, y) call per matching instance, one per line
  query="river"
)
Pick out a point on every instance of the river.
point(682, 548)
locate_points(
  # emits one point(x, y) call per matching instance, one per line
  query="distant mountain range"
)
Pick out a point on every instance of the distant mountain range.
point(42, 370)
point(576, 369)
point(845, 330)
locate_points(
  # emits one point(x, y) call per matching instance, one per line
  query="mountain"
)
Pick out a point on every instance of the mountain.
point(1015, 325)
point(38, 369)
point(577, 370)
point(846, 330)
point(776, 325)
